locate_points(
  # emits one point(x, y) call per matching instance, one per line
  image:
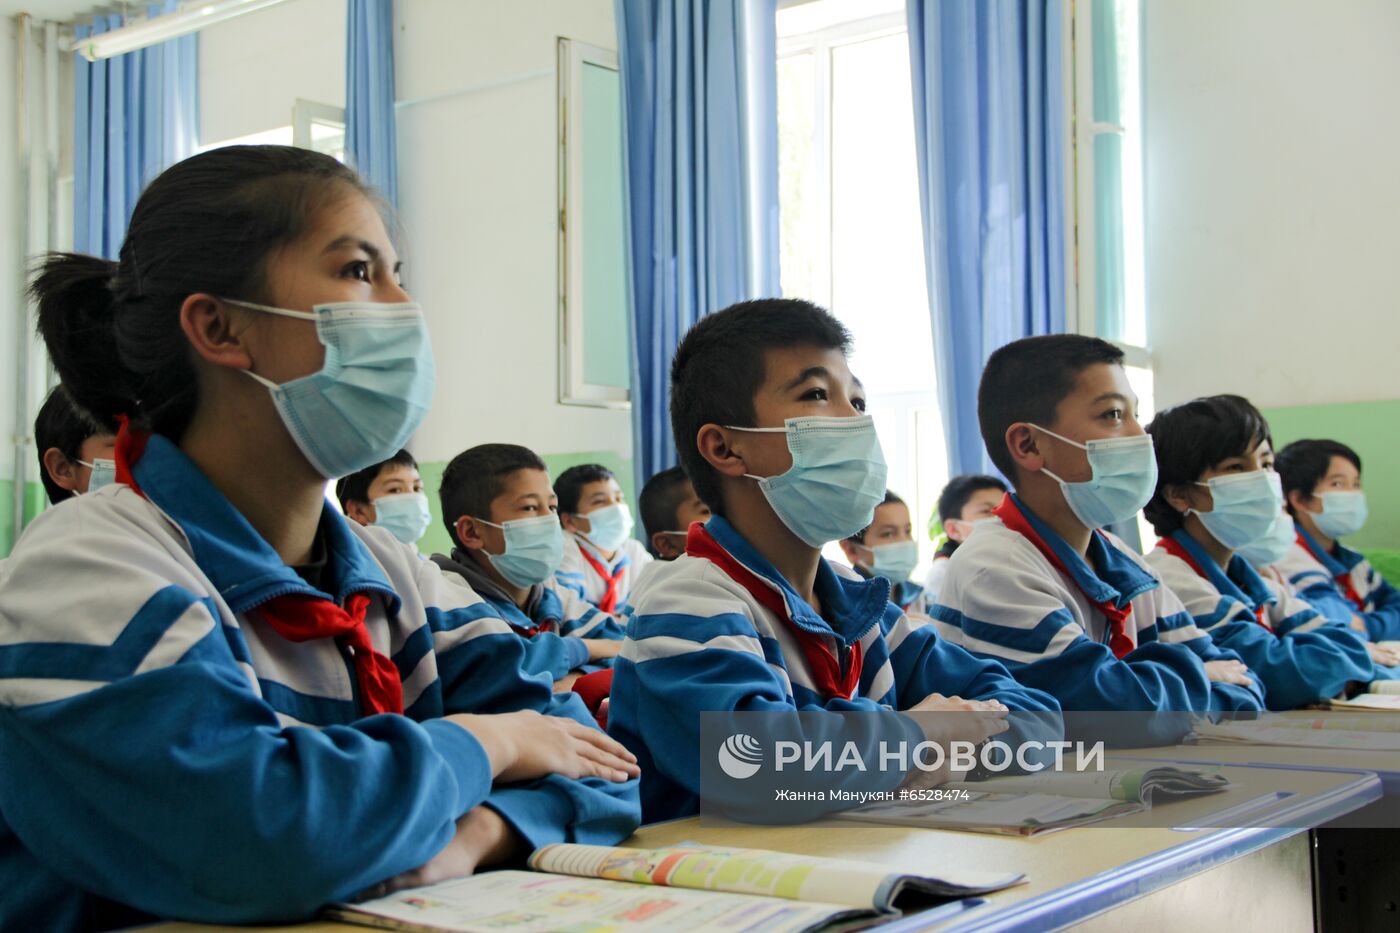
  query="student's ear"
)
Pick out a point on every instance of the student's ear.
point(1299, 500)
point(851, 550)
point(955, 530)
point(713, 445)
point(61, 470)
point(1024, 448)
point(1179, 497)
point(208, 325)
point(468, 533)
point(570, 523)
point(361, 512)
point(664, 546)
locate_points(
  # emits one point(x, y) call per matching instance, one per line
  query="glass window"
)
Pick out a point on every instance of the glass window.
point(852, 238)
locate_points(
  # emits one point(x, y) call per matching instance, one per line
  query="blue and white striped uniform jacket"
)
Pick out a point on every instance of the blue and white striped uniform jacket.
point(1003, 599)
point(163, 748)
point(551, 625)
point(1304, 659)
point(906, 594)
point(576, 574)
point(699, 641)
point(1313, 573)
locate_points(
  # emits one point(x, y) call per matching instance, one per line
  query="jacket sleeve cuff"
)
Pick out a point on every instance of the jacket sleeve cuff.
point(466, 758)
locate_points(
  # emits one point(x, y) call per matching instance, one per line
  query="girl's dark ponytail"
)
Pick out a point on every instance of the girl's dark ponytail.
point(77, 318)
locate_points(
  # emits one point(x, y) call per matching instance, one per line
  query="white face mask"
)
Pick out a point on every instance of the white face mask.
point(104, 473)
point(1124, 476)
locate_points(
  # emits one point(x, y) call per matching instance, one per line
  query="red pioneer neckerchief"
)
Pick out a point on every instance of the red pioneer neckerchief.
point(300, 616)
point(609, 601)
point(826, 669)
point(1175, 548)
point(1118, 641)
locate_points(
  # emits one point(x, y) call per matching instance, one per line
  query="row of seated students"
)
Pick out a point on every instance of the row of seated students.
point(204, 649)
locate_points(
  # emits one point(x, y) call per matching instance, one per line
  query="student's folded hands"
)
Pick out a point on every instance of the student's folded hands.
point(483, 839)
point(975, 722)
point(1385, 657)
point(1229, 672)
point(526, 745)
point(600, 649)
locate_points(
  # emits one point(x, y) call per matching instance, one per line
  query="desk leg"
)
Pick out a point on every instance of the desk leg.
point(1356, 880)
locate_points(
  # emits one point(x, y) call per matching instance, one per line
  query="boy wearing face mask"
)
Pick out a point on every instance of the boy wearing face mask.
point(75, 451)
point(388, 495)
point(1217, 492)
point(965, 501)
point(886, 548)
point(1322, 489)
point(1067, 606)
point(601, 558)
point(669, 506)
point(501, 513)
point(770, 427)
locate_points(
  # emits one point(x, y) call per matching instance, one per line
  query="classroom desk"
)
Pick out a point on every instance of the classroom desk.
point(1385, 764)
point(1355, 860)
point(1151, 878)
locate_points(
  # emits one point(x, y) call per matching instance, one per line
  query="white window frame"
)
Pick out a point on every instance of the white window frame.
point(901, 411)
point(820, 45)
point(308, 112)
point(574, 389)
point(1078, 32)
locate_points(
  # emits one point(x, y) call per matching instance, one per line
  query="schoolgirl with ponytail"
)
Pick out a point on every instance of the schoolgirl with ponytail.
point(219, 700)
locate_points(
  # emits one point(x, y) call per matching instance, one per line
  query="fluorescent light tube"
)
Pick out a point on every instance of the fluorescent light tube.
point(192, 17)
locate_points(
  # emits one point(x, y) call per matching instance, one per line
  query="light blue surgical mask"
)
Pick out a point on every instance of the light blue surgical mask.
point(609, 526)
point(894, 561)
point(1273, 545)
point(406, 515)
point(836, 480)
point(104, 473)
point(534, 549)
point(1244, 508)
point(371, 393)
point(1343, 513)
point(1124, 478)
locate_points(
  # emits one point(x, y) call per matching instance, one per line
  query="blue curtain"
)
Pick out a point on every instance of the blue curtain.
point(989, 119)
point(700, 128)
point(371, 137)
point(134, 115)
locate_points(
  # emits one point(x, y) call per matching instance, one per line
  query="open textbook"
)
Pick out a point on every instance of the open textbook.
point(1384, 696)
point(590, 888)
point(1027, 805)
point(1366, 732)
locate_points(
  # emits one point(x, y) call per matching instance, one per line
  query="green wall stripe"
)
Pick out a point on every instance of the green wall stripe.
point(34, 501)
point(1369, 429)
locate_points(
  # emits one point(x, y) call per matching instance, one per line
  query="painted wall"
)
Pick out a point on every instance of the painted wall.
point(1369, 429)
point(253, 67)
point(478, 182)
point(477, 163)
point(1271, 193)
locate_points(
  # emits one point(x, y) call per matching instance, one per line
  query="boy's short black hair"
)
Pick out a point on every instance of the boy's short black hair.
point(859, 536)
point(1027, 379)
point(568, 487)
point(661, 498)
point(1193, 437)
point(1303, 464)
point(355, 487)
point(719, 367)
point(960, 490)
point(62, 424)
point(473, 479)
